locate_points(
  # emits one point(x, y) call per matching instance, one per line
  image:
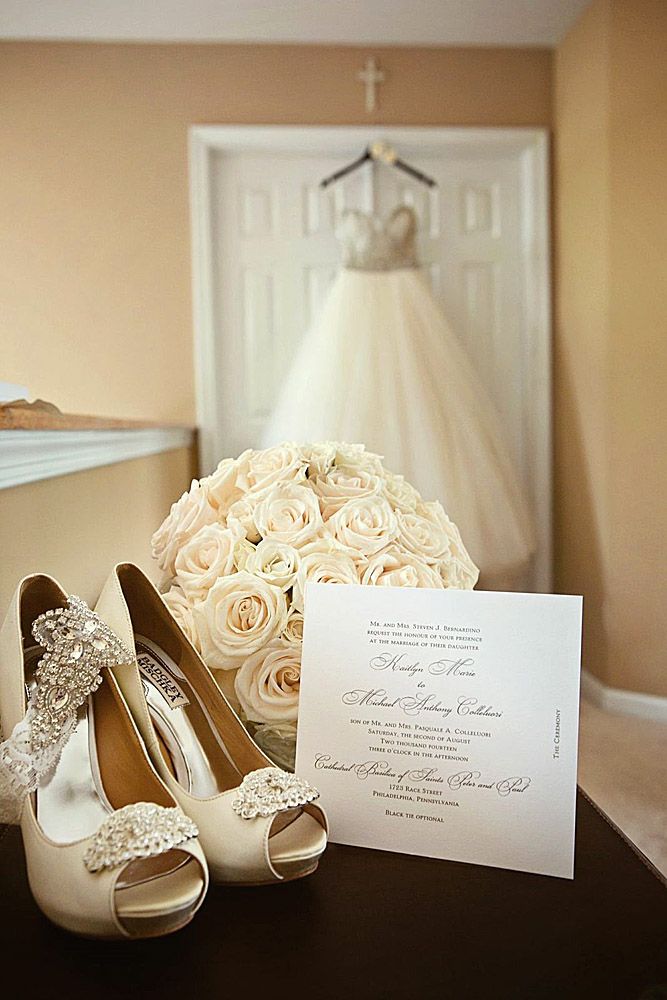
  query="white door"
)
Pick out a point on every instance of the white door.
point(271, 254)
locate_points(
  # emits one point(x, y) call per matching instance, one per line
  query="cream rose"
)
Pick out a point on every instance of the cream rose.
point(459, 571)
point(241, 614)
point(260, 469)
point(366, 525)
point(221, 488)
point(278, 740)
point(425, 536)
point(275, 562)
point(267, 684)
point(207, 556)
point(190, 513)
point(343, 484)
point(293, 631)
point(320, 458)
point(400, 494)
point(289, 513)
point(457, 568)
point(355, 456)
point(395, 567)
point(242, 515)
point(433, 510)
point(178, 603)
point(324, 561)
point(242, 552)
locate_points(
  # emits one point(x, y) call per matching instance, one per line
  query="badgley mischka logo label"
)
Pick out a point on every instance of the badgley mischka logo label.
point(163, 680)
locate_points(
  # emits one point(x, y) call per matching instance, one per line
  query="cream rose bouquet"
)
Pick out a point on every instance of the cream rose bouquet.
point(239, 547)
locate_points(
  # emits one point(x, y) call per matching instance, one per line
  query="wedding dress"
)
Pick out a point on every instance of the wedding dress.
point(382, 366)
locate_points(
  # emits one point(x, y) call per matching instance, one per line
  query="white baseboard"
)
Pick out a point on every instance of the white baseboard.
point(646, 706)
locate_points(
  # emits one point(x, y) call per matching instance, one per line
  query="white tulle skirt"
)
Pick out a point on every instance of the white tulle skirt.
point(382, 366)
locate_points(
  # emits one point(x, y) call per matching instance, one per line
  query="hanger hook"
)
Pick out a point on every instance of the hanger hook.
point(382, 151)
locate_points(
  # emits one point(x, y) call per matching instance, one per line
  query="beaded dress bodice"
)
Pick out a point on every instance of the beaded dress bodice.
point(373, 244)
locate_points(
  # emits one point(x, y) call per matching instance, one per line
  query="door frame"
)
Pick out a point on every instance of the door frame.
point(530, 145)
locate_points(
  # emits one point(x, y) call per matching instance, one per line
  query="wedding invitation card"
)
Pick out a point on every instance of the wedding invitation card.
point(444, 722)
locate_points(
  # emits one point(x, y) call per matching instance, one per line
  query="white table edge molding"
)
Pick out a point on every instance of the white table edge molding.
point(27, 456)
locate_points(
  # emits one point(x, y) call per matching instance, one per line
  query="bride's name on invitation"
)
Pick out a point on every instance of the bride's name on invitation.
point(444, 723)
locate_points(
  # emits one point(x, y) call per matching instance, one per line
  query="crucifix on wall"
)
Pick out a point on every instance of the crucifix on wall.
point(371, 76)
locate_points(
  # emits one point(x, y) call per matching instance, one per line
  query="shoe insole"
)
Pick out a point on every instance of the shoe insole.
point(69, 805)
point(198, 757)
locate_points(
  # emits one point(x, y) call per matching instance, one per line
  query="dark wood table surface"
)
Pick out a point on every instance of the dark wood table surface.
point(371, 924)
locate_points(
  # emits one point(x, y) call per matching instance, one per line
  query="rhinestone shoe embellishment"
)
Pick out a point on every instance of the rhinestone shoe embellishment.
point(78, 645)
point(140, 830)
point(271, 790)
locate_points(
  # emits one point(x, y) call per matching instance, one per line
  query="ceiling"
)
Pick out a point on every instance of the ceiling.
point(347, 22)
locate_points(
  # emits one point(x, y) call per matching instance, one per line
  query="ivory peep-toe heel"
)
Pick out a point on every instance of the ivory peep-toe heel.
point(109, 852)
point(257, 823)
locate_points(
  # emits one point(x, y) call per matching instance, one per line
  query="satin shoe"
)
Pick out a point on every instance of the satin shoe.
point(109, 852)
point(258, 824)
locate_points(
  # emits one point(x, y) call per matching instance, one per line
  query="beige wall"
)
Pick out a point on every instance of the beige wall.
point(95, 306)
point(638, 362)
point(95, 309)
point(75, 527)
point(581, 343)
point(95, 275)
point(611, 335)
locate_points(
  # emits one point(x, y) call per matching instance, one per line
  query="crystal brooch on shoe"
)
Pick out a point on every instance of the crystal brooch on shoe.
point(77, 646)
point(140, 830)
point(271, 790)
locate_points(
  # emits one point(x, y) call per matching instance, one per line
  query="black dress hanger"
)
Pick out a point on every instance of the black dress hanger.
point(384, 154)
